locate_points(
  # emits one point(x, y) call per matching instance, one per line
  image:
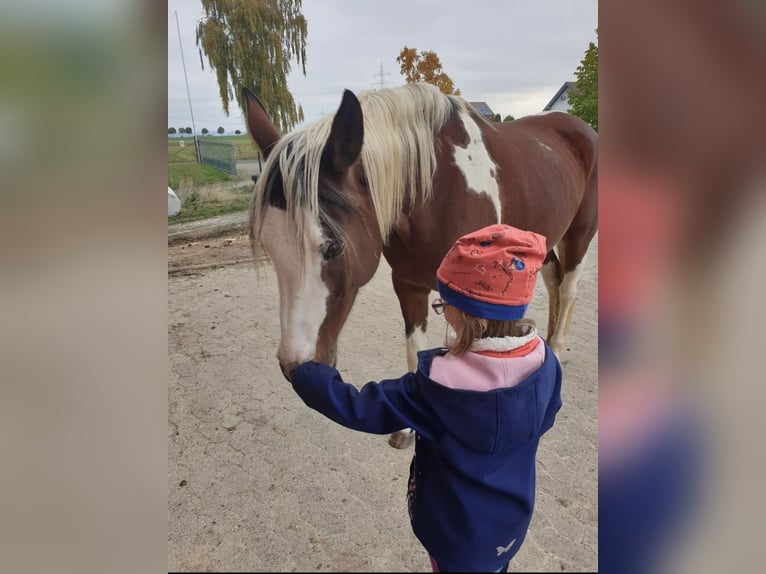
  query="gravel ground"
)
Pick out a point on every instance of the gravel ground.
point(259, 482)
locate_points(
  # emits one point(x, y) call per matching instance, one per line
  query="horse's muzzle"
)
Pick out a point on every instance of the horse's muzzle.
point(287, 370)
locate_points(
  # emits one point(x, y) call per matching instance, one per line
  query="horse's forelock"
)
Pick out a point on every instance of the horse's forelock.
point(291, 167)
point(398, 159)
point(398, 155)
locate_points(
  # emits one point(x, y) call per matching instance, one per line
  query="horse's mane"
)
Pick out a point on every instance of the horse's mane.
point(398, 157)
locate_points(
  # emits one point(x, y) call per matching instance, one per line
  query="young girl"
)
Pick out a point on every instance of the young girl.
point(478, 407)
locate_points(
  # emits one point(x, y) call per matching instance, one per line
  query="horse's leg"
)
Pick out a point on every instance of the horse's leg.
point(571, 254)
point(551, 273)
point(567, 298)
point(413, 301)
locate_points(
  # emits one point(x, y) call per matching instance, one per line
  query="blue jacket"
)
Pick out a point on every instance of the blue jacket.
point(472, 480)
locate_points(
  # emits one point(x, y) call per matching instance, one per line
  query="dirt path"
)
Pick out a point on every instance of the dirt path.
point(259, 482)
point(197, 256)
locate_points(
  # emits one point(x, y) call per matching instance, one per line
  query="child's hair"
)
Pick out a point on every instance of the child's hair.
point(472, 328)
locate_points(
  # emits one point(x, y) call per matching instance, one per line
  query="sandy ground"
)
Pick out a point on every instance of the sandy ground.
point(259, 482)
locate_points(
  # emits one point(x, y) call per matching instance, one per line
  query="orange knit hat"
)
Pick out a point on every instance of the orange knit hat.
point(491, 273)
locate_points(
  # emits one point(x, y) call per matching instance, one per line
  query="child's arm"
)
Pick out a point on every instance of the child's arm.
point(378, 408)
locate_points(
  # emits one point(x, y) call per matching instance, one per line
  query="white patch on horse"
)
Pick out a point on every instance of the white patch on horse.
point(476, 164)
point(416, 341)
point(302, 293)
point(567, 296)
point(543, 145)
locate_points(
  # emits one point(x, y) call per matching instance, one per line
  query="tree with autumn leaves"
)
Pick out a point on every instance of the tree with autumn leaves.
point(425, 67)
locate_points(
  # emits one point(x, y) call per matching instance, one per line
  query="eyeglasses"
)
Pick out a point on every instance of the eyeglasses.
point(438, 306)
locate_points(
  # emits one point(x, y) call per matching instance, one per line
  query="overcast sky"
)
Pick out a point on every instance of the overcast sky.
point(512, 54)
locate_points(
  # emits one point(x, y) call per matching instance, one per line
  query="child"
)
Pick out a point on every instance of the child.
point(478, 407)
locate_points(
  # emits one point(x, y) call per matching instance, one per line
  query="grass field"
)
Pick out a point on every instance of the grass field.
point(210, 201)
point(192, 174)
point(244, 147)
point(205, 191)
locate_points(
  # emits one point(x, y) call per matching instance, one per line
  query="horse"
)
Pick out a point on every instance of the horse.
point(404, 172)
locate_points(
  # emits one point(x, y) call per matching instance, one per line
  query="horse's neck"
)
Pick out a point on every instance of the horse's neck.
point(419, 239)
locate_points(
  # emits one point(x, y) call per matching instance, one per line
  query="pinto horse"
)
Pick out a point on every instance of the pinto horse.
point(405, 172)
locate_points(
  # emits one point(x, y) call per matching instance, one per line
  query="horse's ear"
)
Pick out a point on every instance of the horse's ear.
point(263, 132)
point(345, 142)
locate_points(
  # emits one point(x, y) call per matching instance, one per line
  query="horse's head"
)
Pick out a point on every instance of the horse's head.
point(313, 216)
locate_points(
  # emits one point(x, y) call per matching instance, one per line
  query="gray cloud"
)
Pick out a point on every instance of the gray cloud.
point(513, 55)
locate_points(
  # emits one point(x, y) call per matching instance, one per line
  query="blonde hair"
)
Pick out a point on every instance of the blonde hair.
point(469, 328)
point(398, 157)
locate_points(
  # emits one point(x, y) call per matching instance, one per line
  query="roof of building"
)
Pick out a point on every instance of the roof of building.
point(483, 108)
point(564, 87)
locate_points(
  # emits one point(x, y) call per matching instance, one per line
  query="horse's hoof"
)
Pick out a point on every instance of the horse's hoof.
point(401, 439)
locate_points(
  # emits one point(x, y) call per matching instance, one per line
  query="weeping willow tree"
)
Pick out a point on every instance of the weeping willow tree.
point(251, 43)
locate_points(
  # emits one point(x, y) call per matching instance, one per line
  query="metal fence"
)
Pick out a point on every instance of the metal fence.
point(218, 155)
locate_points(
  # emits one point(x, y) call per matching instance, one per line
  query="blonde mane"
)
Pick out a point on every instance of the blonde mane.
point(398, 157)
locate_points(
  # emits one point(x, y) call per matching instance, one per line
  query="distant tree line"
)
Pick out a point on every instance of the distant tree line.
point(205, 131)
point(172, 131)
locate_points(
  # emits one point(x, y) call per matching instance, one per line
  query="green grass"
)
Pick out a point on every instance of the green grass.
point(244, 147)
point(194, 207)
point(195, 184)
point(194, 174)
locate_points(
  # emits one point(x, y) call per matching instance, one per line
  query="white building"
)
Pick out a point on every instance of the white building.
point(560, 102)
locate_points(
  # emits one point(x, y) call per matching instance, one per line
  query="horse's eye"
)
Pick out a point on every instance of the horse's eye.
point(331, 249)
